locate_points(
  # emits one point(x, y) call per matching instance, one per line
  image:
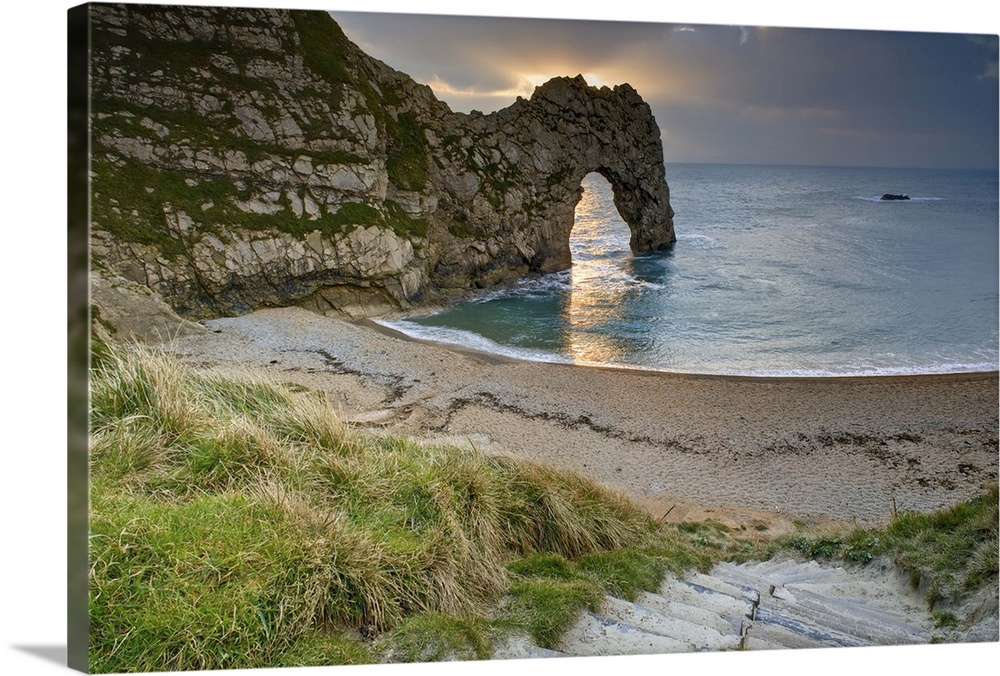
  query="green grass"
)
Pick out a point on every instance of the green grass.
point(324, 48)
point(947, 553)
point(130, 202)
point(558, 176)
point(153, 562)
point(132, 197)
point(944, 619)
point(236, 523)
point(406, 160)
point(431, 637)
point(547, 607)
point(625, 573)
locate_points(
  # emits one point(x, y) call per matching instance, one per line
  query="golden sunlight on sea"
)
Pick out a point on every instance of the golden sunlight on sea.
point(591, 302)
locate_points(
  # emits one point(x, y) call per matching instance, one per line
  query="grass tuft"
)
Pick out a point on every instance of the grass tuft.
point(237, 523)
point(433, 637)
point(547, 607)
point(625, 573)
point(947, 553)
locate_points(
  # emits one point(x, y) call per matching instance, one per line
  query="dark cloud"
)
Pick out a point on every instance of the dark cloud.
point(726, 93)
point(472, 52)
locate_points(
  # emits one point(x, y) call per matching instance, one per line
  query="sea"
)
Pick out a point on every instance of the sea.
point(777, 271)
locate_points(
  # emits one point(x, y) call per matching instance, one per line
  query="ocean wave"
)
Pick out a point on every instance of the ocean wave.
point(750, 312)
point(814, 372)
point(855, 372)
point(699, 241)
point(615, 281)
point(560, 282)
point(470, 340)
point(477, 342)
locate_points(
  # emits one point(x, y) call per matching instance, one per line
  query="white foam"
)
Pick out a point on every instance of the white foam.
point(525, 288)
point(699, 240)
point(470, 340)
point(480, 343)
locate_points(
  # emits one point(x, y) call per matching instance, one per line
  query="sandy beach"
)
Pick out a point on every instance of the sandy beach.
point(761, 453)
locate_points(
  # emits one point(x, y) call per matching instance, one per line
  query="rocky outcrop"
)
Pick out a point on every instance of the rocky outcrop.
point(250, 157)
point(515, 176)
point(123, 310)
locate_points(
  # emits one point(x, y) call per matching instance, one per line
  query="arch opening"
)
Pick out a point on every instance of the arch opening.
point(599, 230)
point(601, 257)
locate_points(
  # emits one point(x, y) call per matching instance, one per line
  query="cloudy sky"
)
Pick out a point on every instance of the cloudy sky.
point(726, 93)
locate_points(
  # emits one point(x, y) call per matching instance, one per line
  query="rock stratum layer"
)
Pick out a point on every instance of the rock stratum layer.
point(244, 158)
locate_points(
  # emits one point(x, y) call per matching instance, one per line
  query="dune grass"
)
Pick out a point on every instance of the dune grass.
point(952, 551)
point(947, 554)
point(237, 523)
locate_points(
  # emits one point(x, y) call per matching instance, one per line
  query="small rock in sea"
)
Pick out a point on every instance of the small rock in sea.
point(889, 196)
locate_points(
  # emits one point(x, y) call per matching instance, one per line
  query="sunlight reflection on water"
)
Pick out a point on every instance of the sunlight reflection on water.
point(763, 281)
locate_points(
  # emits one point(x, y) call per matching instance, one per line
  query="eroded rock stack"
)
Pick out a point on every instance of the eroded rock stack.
point(251, 157)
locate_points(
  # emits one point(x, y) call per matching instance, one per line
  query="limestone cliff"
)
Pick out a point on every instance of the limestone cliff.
point(252, 157)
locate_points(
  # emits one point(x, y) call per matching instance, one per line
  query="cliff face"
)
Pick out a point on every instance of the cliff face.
point(251, 157)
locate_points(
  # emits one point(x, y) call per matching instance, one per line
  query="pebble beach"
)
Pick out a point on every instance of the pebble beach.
point(762, 453)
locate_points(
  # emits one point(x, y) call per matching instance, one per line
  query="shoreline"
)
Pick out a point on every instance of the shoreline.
point(750, 451)
point(494, 358)
point(374, 324)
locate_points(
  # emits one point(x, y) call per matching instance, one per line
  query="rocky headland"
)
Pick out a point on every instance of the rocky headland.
point(247, 158)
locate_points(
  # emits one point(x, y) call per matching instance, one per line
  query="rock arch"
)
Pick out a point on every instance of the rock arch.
point(566, 130)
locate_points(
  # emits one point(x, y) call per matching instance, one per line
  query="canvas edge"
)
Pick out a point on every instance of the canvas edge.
point(78, 58)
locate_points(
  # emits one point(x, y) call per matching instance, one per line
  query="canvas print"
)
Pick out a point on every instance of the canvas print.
point(424, 338)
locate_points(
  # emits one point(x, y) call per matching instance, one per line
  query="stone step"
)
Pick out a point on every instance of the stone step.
point(823, 575)
point(789, 570)
point(521, 647)
point(785, 576)
point(699, 637)
point(810, 626)
point(846, 592)
point(721, 585)
point(755, 606)
point(732, 608)
point(770, 568)
point(862, 596)
point(595, 635)
point(875, 593)
point(842, 620)
point(741, 577)
point(880, 626)
point(728, 623)
point(766, 636)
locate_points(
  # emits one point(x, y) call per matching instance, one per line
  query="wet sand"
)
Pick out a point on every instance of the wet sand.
point(756, 452)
